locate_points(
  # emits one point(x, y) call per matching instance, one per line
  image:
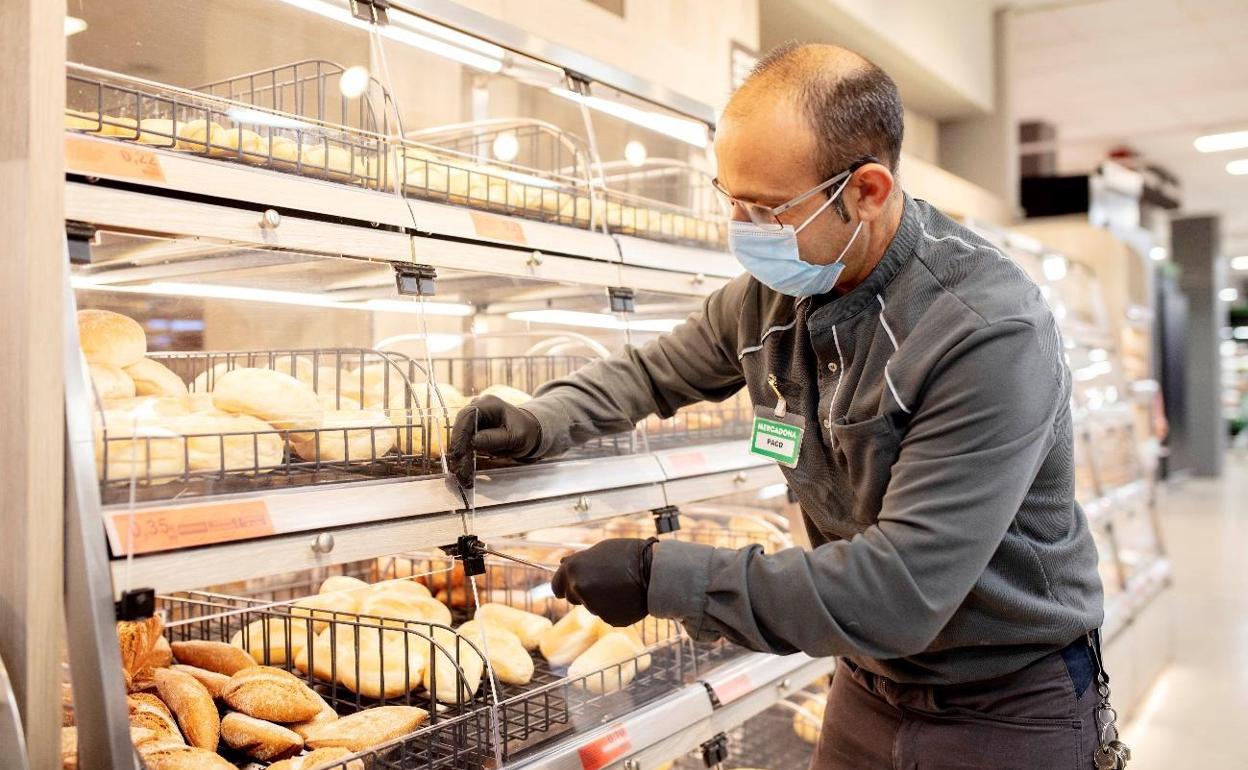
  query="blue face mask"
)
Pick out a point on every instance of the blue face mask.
point(773, 258)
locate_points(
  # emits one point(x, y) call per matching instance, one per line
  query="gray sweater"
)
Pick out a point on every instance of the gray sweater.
point(935, 475)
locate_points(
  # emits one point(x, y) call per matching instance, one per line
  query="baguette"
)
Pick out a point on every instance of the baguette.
point(214, 656)
point(191, 705)
point(259, 739)
point(528, 627)
point(272, 694)
point(151, 713)
point(507, 655)
point(318, 759)
point(211, 680)
point(368, 728)
point(610, 664)
point(575, 633)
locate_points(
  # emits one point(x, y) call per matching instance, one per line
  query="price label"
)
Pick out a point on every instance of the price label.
point(730, 689)
point(168, 529)
point(605, 750)
point(113, 159)
point(778, 439)
point(498, 228)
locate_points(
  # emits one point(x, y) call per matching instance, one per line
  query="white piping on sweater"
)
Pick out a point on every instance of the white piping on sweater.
point(888, 378)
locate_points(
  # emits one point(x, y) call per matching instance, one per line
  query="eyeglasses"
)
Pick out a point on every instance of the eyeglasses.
point(768, 217)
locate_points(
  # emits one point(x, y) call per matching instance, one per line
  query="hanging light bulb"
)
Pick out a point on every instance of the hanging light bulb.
point(354, 81)
point(635, 153)
point(506, 147)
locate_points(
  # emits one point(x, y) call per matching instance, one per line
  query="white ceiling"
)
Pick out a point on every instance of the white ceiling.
point(1149, 74)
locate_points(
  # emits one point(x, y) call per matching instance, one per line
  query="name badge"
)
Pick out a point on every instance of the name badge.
point(777, 438)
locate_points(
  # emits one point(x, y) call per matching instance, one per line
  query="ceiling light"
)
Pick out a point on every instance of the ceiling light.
point(1157, 253)
point(688, 131)
point(506, 147)
point(635, 153)
point(1054, 267)
point(469, 54)
point(1237, 167)
point(74, 25)
point(1239, 263)
point(353, 81)
point(1233, 140)
point(1228, 294)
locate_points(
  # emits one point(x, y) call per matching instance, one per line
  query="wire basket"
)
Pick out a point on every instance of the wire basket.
point(765, 740)
point(664, 199)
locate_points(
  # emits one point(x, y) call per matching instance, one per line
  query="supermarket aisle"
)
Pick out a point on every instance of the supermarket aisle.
point(1194, 717)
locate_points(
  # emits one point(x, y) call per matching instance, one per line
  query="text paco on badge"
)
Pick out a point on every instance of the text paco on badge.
point(777, 438)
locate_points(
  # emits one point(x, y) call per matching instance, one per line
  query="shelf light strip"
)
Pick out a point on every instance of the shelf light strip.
point(593, 320)
point(688, 131)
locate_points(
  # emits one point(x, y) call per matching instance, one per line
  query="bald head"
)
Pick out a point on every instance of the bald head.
point(850, 106)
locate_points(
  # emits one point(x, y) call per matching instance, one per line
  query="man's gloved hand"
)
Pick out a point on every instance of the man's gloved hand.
point(611, 579)
point(494, 427)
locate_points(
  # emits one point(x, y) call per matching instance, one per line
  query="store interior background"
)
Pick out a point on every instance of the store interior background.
point(1069, 124)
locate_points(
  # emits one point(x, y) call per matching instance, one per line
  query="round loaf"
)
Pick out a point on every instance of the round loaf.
point(152, 378)
point(276, 398)
point(110, 338)
point(257, 738)
point(111, 382)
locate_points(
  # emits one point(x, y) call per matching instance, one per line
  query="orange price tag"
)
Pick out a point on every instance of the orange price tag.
point(605, 750)
point(731, 689)
point(498, 228)
point(115, 159)
point(167, 529)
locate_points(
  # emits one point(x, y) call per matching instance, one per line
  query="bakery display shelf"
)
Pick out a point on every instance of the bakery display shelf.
point(766, 741)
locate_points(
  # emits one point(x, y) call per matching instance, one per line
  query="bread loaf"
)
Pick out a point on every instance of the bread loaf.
point(609, 664)
point(398, 584)
point(128, 444)
point(339, 593)
point(382, 665)
point(191, 705)
point(257, 738)
point(273, 641)
point(454, 674)
point(185, 758)
point(508, 657)
point(347, 435)
point(572, 635)
point(111, 338)
point(211, 680)
point(121, 127)
point(111, 381)
point(284, 150)
point(368, 728)
point(528, 627)
point(318, 759)
point(222, 442)
point(152, 378)
point(214, 656)
point(150, 407)
point(157, 132)
point(271, 693)
point(140, 654)
point(276, 398)
point(513, 396)
point(193, 134)
point(404, 605)
point(151, 713)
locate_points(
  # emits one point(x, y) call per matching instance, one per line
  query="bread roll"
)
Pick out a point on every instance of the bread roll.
point(404, 605)
point(191, 705)
point(398, 584)
point(214, 656)
point(339, 593)
point(513, 396)
point(127, 444)
point(121, 127)
point(222, 442)
point(185, 758)
point(572, 635)
point(609, 664)
point(368, 728)
point(808, 723)
point(284, 150)
point(389, 664)
point(193, 133)
point(355, 435)
point(151, 407)
point(111, 338)
point(331, 162)
point(276, 398)
point(151, 713)
point(257, 738)
point(528, 627)
point(213, 682)
point(206, 380)
point(271, 693)
point(157, 132)
point(162, 653)
point(273, 641)
point(78, 120)
point(326, 714)
point(318, 759)
point(152, 378)
point(111, 381)
point(140, 655)
point(507, 656)
point(454, 674)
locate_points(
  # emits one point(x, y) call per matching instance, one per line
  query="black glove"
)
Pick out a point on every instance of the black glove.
point(494, 427)
point(611, 579)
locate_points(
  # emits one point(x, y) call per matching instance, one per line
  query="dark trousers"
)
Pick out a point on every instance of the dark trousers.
point(1040, 718)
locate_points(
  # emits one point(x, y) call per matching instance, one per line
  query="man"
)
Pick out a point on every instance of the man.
point(953, 571)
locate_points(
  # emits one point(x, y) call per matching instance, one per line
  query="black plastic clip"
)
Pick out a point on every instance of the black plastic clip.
point(469, 550)
point(666, 519)
point(371, 11)
point(138, 604)
point(415, 280)
point(623, 300)
point(715, 751)
point(80, 236)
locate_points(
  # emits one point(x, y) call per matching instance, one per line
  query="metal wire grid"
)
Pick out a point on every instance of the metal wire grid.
point(731, 419)
point(654, 220)
point(688, 210)
point(766, 740)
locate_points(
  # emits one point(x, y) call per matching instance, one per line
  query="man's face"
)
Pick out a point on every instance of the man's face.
point(766, 155)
